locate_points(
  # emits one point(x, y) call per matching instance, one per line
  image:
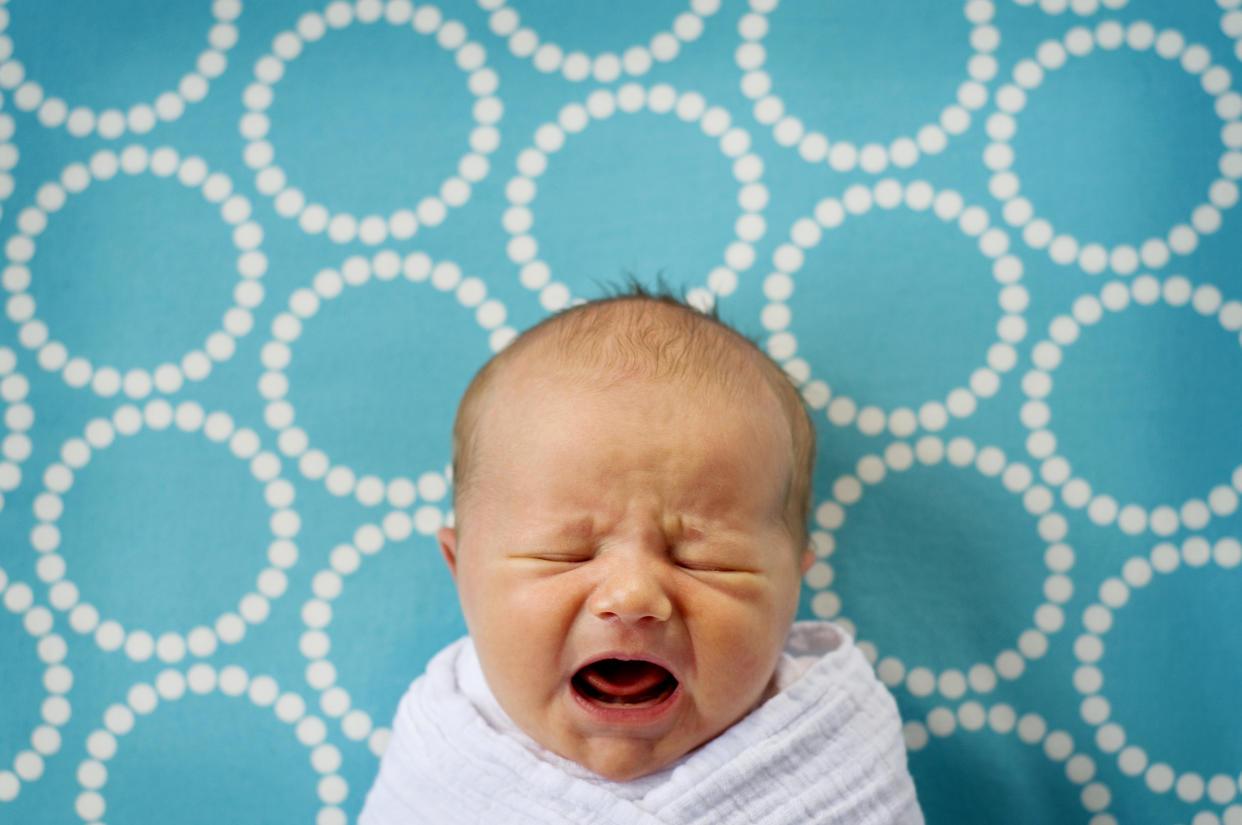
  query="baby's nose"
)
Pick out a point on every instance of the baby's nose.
point(631, 590)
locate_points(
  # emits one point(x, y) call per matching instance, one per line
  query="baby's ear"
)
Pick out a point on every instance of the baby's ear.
point(447, 537)
point(808, 558)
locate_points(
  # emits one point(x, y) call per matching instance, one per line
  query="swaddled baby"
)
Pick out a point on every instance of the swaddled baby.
point(632, 484)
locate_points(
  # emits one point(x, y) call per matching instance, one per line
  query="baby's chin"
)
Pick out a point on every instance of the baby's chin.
point(621, 759)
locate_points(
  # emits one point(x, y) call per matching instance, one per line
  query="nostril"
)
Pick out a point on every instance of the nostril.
point(631, 601)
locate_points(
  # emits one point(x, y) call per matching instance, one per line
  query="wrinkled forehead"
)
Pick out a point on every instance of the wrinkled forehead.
point(728, 381)
point(627, 402)
point(605, 445)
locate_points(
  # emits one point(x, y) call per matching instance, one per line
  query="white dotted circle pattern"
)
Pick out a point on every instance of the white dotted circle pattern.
point(45, 739)
point(1082, 8)
point(356, 271)
point(232, 681)
point(605, 67)
point(1036, 414)
point(889, 194)
point(82, 121)
point(1123, 259)
point(137, 383)
point(1018, 479)
point(9, 154)
point(1114, 593)
point(661, 99)
point(842, 155)
point(1031, 729)
point(343, 227)
point(1231, 25)
point(186, 417)
point(327, 584)
point(19, 416)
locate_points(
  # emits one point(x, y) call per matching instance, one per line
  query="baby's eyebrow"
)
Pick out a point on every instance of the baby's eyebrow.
point(580, 529)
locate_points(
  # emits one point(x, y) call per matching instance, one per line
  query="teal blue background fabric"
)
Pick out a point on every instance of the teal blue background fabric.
point(253, 253)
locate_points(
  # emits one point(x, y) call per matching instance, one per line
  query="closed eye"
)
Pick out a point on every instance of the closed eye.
point(556, 558)
point(710, 566)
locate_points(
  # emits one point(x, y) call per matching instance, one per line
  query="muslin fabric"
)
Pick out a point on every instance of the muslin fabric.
point(825, 748)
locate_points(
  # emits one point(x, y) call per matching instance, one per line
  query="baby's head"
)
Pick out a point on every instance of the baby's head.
point(632, 486)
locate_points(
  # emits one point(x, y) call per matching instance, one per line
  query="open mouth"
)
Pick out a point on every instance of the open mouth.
point(625, 683)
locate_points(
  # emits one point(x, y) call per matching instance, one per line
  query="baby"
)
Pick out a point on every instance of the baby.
point(632, 486)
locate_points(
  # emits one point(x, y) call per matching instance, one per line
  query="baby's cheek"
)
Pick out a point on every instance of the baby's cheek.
point(738, 641)
point(736, 635)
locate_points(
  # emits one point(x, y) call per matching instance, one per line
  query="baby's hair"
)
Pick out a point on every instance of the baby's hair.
point(637, 332)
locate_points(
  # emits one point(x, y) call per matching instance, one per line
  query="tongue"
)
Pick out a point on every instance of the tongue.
point(619, 678)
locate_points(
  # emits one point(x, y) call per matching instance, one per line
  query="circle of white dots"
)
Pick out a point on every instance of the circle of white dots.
point(888, 194)
point(1017, 478)
point(356, 271)
point(9, 154)
point(327, 584)
point(1036, 414)
point(1030, 728)
point(342, 227)
point(1082, 8)
point(81, 121)
point(1231, 25)
point(187, 417)
point(1091, 257)
point(1114, 593)
point(842, 155)
point(16, 446)
point(45, 740)
point(195, 365)
point(605, 67)
point(171, 685)
point(1231, 815)
point(630, 98)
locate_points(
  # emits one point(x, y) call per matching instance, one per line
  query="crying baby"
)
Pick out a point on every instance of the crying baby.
point(632, 482)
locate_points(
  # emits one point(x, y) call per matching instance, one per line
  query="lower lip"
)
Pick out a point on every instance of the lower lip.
point(630, 717)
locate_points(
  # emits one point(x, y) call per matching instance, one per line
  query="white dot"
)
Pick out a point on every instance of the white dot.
point(941, 721)
point(1196, 551)
point(1009, 664)
point(1165, 557)
point(1159, 777)
point(201, 678)
point(921, 681)
point(1132, 519)
point(170, 685)
point(119, 719)
point(1031, 728)
point(915, 736)
point(1221, 789)
point(142, 698)
point(230, 628)
point(1114, 592)
point(263, 690)
point(1058, 746)
point(139, 645)
point(233, 680)
point(1190, 787)
point(1228, 553)
point(1223, 500)
point(356, 725)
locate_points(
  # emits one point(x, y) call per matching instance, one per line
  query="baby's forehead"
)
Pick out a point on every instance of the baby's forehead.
point(727, 391)
point(620, 350)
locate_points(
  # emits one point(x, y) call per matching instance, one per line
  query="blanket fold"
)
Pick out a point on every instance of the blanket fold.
point(827, 748)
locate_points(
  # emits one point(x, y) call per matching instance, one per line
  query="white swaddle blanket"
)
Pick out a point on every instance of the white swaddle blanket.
point(826, 748)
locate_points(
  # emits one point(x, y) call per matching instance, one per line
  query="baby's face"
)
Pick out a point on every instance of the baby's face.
point(623, 565)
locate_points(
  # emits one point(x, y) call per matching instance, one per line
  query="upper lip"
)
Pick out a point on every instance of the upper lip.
point(628, 656)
